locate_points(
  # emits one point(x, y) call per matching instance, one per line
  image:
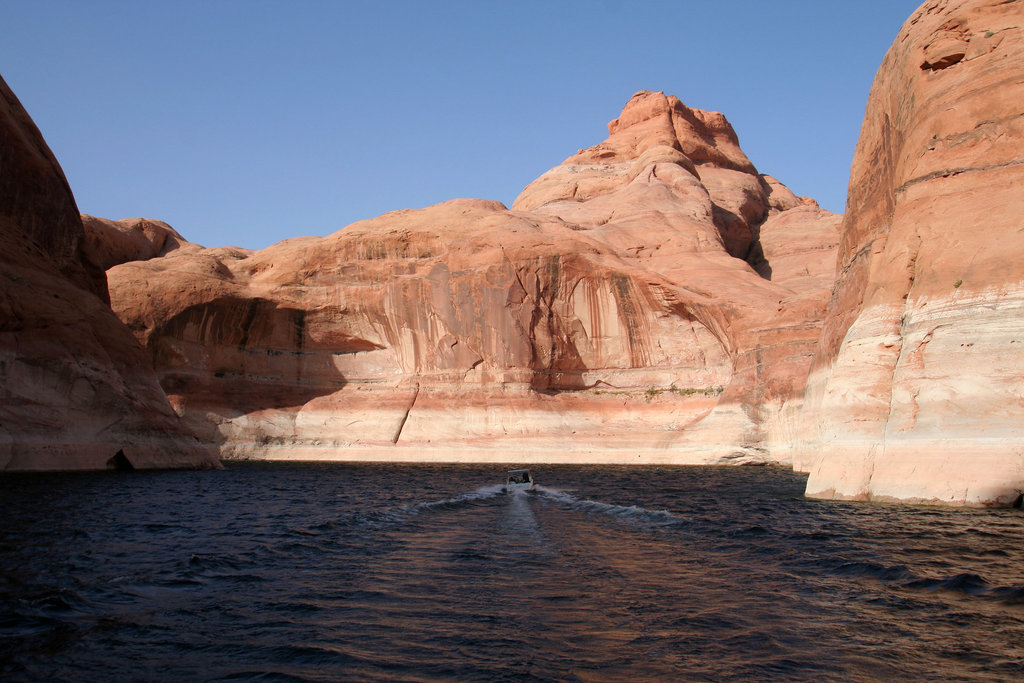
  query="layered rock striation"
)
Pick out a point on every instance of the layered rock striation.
point(916, 392)
point(76, 391)
point(641, 302)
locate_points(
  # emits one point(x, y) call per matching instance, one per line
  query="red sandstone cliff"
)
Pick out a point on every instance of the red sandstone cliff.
point(652, 299)
point(916, 390)
point(75, 387)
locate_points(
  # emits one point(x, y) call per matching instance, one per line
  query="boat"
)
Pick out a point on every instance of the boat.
point(518, 480)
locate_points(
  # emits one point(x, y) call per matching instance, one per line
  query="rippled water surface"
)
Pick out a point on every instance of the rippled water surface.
point(430, 573)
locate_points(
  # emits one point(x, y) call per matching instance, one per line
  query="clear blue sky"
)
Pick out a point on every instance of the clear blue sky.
point(248, 122)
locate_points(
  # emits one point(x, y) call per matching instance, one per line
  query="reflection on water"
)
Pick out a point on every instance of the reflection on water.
point(518, 523)
point(427, 572)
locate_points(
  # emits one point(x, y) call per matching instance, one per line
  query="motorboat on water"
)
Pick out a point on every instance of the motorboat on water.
point(518, 480)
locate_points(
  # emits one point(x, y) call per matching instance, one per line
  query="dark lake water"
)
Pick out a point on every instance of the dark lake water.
point(428, 573)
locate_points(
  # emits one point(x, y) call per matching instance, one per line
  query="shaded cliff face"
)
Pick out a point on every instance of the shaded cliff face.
point(639, 303)
point(108, 243)
point(75, 387)
point(40, 218)
point(915, 393)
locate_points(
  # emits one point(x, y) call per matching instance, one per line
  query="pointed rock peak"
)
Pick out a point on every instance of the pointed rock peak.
point(647, 105)
point(653, 129)
point(652, 118)
point(644, 105)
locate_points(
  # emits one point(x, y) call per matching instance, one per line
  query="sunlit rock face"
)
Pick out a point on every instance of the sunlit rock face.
point(641, 302)
point(76, 390)
point(916, 392)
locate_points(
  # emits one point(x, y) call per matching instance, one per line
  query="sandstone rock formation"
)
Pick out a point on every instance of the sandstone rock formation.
point(651, 299)
point(916, 391)
point(109, 243)
point(76, 391)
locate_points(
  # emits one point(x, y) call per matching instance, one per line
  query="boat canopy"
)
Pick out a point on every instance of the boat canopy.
point(519, 477)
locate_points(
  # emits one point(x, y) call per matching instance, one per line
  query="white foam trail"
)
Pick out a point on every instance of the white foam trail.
point(481, 493)
point(399, 514)
point(632, 513)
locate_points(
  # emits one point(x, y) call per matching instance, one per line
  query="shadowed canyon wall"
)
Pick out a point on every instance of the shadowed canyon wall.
point(76, 390)
point(916, 391)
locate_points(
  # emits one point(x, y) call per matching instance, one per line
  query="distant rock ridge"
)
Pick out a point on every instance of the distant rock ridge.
point(109, 243)
point(76, 391)
point(612, 315)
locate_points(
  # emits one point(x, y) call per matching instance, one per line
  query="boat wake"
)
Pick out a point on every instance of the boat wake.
point(626, 513)
point(402, 513)
point(633, 514)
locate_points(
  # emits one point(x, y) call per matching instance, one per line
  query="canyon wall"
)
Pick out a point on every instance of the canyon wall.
point(651, 299)
point(916, 391)
point(76, 391)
